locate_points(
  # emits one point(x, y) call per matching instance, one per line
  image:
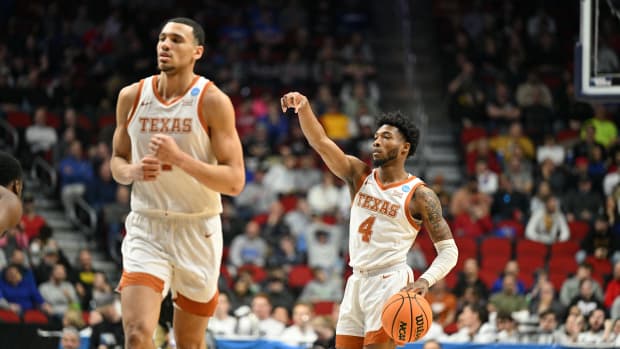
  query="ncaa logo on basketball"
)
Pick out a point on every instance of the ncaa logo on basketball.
point(406, 188)
point(402, 331)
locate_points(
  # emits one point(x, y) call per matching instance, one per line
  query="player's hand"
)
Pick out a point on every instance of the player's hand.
point(420, 286)
point(165, 148)
point(148, 169)
point(294, 100)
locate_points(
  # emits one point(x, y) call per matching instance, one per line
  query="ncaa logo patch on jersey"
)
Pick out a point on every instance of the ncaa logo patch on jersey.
point(195, 91)
point(406, 188)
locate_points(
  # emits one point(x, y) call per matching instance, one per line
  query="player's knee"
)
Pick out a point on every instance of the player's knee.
point(137, 334)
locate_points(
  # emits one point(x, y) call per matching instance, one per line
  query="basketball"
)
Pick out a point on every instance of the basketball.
point(406, 317)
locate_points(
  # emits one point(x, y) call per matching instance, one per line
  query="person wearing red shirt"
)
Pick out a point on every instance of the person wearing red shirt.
point(31, 222)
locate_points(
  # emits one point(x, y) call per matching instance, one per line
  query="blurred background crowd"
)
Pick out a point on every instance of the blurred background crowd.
point(535, 219)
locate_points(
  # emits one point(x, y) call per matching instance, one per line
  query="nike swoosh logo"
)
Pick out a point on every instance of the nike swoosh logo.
point(387, 276)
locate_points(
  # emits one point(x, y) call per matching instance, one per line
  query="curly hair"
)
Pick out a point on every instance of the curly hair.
point(10, 169)
point(405, 125)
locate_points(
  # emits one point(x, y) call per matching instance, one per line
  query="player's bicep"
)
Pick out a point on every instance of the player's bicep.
point(10, 209)
point(225, 141)
point(121, 144)
point(425, 204)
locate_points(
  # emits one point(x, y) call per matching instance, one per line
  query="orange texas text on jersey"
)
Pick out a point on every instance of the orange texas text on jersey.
point(377, 205)
point(165, 125)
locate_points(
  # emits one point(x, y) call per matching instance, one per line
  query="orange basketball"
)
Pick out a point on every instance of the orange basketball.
point(406, 317)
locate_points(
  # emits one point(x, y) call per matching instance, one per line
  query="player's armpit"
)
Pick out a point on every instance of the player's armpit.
point(425, 204)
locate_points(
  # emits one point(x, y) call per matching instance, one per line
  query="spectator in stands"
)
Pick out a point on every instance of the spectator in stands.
point(443, 303)
point(300, 218)
point(301, 332)
point(570, 287)
point(70, 338)
point(431, 344)
point(337, 124)
point(595, 332)
point(545, 333)
point(545, 301)
point(322, 288)
point(307, 175)
point(51, 257)
point(101, 288)
point(258, 322)
point(582, 203)
point(472, 327)
point(501, 109)
point(84, 277)
point(611, 181)
point(508, 204)
point(14, 239)
point(326, 333)
point(324, 243)
point(19, 294)
point(508, 299)
point(467, 97)
point(586, 300)
point(102, 190)
point(605, 131)
point(222, 324)
point(507, 331)
point(243, 291)
point(280, 178)
point(557, 177)
point(569, 333)
point(275, 227)
point(58, 292)
point(487, 179)
point(615, 309)
point(323, 197)
point(599, 244)
point(285, 254)
point(550, 150)
point(505, 145)
point(519, 171)
point(588, 142)
point(75, 176)
point(469, 278)
point(538, 200)
point(416, 258)
point(31, 221)
point(533, 92)
point(480, 149)
point(468, 197)
point(114, 215)
point(108, 334)
point(74, 318)
point(248, 248)
point(276, 289)
point(613, 287)
point(548, 225)
point(39, 136)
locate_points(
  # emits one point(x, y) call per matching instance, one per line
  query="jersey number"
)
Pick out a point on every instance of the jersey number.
point(366, 228)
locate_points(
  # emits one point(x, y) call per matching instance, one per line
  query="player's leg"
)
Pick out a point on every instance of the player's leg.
point(140, 308)
point(350, 326)
point(144, 281)
point(194, 281)
point(374, 292)
point(189, 329)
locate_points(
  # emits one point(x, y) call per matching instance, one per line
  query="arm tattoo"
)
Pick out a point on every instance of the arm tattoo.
point(428, 206)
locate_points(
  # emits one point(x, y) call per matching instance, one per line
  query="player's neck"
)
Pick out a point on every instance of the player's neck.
point(392, 173)
point(171, 85)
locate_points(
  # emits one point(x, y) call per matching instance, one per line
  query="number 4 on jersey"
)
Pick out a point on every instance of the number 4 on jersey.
point(366, 228)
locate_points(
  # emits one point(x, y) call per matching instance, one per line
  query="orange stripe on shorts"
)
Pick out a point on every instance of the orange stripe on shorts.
point(141, 279)
point(197, 308)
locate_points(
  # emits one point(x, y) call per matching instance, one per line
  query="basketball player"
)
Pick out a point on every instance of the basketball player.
point(176, 141)
point(388, 208)
point(11, 185)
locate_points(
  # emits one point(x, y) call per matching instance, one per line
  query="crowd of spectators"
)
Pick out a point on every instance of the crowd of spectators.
point(540, 167)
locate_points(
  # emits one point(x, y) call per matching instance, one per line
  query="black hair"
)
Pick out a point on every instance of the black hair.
point(405, 125)
point(10, 169)
point(198, 31)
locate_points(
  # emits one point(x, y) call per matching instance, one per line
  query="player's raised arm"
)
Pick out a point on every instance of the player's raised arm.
point(346, 167)
point(425, 204)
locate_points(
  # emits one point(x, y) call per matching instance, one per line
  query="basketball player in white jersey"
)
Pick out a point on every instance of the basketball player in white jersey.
point(10, 191)
point(388, 208)
point(176, 141)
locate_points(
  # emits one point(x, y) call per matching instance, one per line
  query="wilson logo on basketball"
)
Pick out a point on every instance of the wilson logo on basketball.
point(419, 326)
point(402, 331)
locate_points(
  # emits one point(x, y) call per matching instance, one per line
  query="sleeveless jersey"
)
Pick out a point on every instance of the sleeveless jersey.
point(382, 230)
point(174, 192)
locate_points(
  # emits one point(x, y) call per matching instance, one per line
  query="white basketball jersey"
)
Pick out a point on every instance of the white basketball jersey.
point(174, 191)
point(382, 230)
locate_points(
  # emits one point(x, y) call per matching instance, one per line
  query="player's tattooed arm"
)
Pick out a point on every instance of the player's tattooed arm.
point(426, 206)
